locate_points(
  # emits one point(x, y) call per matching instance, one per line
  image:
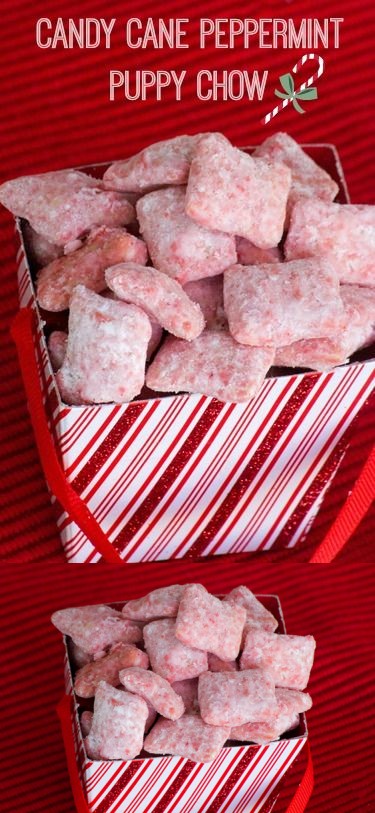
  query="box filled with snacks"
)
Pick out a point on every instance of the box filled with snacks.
point(157, 723)
point(197, 404)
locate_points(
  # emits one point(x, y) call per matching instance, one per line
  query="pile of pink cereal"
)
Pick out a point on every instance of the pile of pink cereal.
point(181, 671)
point(229, 264)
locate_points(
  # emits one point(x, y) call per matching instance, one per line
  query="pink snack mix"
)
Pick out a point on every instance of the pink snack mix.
point(178, 247)
point(205, 622)
point(288, 658)
point(63, 205)
point(256, 614)
point(286, 717)
point(216, 664)
point(107, 668)
point(208, 293)
point(188, 691)
point(188, 737)
point(118, 724)
point(162, 298)
point(169, 657)
point(96, 627)
point(214, 364)
point(40, 250)
point(78, 655)
point(249, 254)
point(106, 351)
point(164, 163)
point(234, 698)
point(308, 179)
point(86, 266)
point(343, 233)
point(86, 722)
point(231, 191)
point(282, 303)
point(57, 343)
point(155, 689)
point(160, 603)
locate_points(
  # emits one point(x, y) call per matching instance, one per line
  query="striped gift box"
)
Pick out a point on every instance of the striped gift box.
point(187, 475)
point(242, 778)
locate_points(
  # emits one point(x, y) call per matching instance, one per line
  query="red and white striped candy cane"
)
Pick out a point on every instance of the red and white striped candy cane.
point(310, 81)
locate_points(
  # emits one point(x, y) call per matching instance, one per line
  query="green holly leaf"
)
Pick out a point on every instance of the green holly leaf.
point(286, 81)
point(297, 106)
point(307, 93)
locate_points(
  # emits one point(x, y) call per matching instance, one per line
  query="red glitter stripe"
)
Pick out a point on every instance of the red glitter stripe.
point(234, 777)
point(133, 769)
point(168, 797)
point(169, 476)
point(287, 413)
point(117, 433)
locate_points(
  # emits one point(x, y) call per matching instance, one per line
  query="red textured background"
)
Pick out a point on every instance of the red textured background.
point(335, 604)
point(56, 113)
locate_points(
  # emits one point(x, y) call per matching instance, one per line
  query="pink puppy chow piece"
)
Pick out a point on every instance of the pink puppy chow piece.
point(56, 343)
point(248, 254)
point(341, 232)
point(256, 614)
point(86, 266)
point(78, 655)
point(188, 691)
point(86, 722)
point(177, 246)
point(208, 294)
point(215, 664)
point(214, 364)
point(160, 603)
point(204, 622)
point(231, 191)
point(286, 717)
point(288, 658)
point(162, 298)
point(118, 724)
point(188, 737)
point(359, 331)
point(282, 303)
point(106, 351)
point(39, 250)
point(309, 180)
point(155, 689)
point(96, 627)
point(120, 657)
point(169, 657)
point(161, 164)
point(234, 698)
point(63, 205)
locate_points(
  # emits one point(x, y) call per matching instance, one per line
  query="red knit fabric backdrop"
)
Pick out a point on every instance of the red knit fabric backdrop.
point(335, 604)
point(57, 113)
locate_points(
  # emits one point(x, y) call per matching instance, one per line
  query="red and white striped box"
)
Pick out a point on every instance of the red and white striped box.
point(186, 475)
point(242, 778)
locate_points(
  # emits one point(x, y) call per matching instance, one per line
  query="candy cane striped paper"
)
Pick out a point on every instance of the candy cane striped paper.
point(242, 779)
point(189, 476)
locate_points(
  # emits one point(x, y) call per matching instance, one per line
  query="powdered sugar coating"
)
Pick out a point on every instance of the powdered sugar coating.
point(177, 246)
point(86, 722)
point(209, 295)
point(238, 194)
point(160, 164)
point(107, 668)
point(155, 689)
point(248, 254)
point(188, 691)
point(187, 737)
point(118, 724)
point(95, 627)
point(57, 343)
point(286, 717)
point(256, 614)
point(214, 364)
point(288, 658)
point(169, 657)
point(234, 698)
point(205, 622)
point(309, 180)
point(63, 205)
point(359, 331)
point(216, 664)
point(40, 250)
point(106, 352)
point(162, 298)
point(159, 603)
point(341, 232)
point(104, 247)
point(280, 303)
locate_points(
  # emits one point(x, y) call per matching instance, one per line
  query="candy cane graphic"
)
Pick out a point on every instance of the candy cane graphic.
point(293, 95)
